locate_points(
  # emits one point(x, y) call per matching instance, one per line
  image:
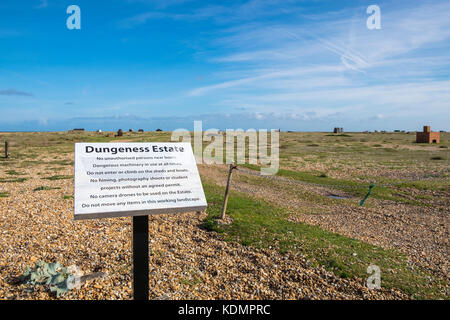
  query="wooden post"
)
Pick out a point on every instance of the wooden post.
point(225, 200)
point(6, 149)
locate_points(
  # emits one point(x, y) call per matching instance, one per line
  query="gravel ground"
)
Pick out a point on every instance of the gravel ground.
point(186, 262)
point(422, 233)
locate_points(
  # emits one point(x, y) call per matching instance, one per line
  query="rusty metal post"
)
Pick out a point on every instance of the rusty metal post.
point(225, 200)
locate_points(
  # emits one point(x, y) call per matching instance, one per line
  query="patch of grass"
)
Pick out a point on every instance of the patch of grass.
point(338, 135)
point(259, 224)
point(190, 282)
point(41, 188)
point(61, 162)
point(66, 197)
point(58, 177)
point(4, 194)
point(356, 188)
point(10, 180)
point(425, 184)
point(14, 173)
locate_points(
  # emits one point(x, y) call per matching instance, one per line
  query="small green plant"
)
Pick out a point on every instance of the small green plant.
point(58, 177)
point(14, 173)
point(52, 275)
point(13, 180)
point(4, 194)
point(45, 188)
point(66, 197)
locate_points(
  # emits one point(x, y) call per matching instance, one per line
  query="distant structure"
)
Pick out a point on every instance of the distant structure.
point(119, 133)
point(158, 130)
point(427, 136)
point(130, 130)
point(99, 131)
point(77, 130)
point(338, 130)
point(141, 130)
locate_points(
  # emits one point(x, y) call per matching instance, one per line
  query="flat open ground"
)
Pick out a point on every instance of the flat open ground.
point(300, 234)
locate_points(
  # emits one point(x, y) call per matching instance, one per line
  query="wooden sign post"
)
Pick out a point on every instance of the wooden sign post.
point(6, 150)
point(227, 189)
point(136, 179)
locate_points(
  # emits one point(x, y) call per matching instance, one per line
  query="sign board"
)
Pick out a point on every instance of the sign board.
point(132, 179)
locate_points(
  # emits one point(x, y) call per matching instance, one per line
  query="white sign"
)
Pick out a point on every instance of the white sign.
point(128, 179)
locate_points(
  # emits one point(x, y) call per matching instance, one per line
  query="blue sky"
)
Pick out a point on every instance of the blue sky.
point(294, 65)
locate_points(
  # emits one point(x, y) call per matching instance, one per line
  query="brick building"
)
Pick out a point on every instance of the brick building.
point(427, 136)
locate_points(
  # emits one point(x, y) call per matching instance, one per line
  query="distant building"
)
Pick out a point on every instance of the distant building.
point(427, 136)
point(338, 130)
point(76, 130)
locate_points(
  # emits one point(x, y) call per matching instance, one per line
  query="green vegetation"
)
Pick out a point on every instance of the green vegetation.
point(350, 186)
point(338, 135)
point(58, 177)
point(260, 224)
point(4, 194)
point(54, 276)
point(45, 188)
point(8, 180)
point(14, 173)
point(66, 197)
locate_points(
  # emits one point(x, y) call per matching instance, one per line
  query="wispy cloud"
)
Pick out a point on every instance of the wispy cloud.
point(42, 4)
point(244, 11)
point(333, 64)
point(14, 92)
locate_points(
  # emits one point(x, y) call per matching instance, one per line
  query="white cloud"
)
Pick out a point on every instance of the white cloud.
point(333, 64)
